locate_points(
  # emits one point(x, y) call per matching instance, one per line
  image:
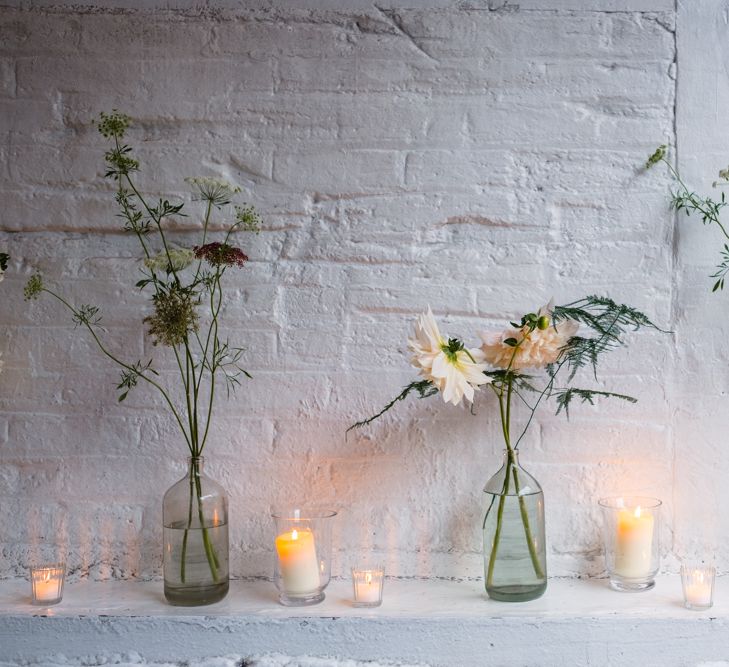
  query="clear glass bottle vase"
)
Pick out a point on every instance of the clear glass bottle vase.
point(195, 520)
point(515, 562)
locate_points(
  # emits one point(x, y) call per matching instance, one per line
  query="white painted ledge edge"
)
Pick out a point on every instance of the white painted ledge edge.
point(433, 622)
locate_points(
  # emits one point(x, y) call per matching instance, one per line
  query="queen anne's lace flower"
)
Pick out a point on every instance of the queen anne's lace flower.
point(455, 371)
point(541, 347)
point(173, 319)
point(33, 287)
point(215, 190)
point(180, 258)
point(221, 254)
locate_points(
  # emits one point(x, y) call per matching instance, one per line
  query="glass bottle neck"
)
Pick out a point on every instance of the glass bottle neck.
point(512, 455)
point(195, 464)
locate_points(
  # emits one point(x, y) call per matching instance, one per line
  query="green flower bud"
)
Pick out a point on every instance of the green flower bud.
point(543, 322)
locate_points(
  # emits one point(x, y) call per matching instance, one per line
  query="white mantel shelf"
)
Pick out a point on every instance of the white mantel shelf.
point(431, 622)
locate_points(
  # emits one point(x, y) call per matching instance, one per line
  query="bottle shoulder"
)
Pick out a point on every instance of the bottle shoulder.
point(520, 482)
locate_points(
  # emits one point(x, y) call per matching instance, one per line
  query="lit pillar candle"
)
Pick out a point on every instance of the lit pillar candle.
point(298, 562)
point(634, 543)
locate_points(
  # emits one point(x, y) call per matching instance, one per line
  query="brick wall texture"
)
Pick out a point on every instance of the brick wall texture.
point(480, 157)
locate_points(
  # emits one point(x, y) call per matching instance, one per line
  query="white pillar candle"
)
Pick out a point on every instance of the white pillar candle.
point(298, 562)
point(634, 543)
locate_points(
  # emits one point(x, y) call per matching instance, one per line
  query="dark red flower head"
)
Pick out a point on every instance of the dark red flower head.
point(221, 254)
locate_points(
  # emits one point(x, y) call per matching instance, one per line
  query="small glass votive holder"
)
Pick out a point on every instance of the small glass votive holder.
point(302, 555)
point(47, 583)
point(631, 531)
point(697, 581)
point(368, 584)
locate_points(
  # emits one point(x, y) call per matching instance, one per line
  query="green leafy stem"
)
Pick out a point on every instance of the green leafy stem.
point(685, 199)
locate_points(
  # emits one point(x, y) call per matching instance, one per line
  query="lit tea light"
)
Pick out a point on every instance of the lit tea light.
point(368, 586)
point(698, 586)
point(47, 583)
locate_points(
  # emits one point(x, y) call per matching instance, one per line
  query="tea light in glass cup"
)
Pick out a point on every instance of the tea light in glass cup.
point(698, 585)
point(368, 585)
point(47, 583)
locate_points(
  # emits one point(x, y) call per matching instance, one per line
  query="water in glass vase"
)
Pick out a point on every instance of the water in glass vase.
point(195, 527)
point(195, 573)
point(515, 563)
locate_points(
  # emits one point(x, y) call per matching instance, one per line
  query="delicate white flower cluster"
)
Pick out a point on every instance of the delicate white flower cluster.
point(180, 258)
point(457, 372)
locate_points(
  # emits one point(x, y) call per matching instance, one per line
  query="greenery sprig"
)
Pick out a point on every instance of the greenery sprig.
point(708, 209)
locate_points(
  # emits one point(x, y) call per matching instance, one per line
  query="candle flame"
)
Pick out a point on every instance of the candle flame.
point(368, 578)
point(294, 534)
point(637, 512)
point(46, 577)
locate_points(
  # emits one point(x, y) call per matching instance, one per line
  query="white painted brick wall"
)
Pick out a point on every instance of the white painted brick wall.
point(479, 161)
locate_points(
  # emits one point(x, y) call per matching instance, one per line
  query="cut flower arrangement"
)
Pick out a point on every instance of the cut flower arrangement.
point(533, 360)
point(185, 286)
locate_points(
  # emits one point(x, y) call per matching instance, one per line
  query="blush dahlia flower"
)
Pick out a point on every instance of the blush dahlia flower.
point(455, 371)
point(537, 348)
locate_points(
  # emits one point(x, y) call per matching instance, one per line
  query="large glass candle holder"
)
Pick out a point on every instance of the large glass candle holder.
point(47, 583)
point(631, 529)
point(303, 555)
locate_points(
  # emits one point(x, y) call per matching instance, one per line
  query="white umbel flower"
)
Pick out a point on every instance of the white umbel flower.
point(180, 258)
point(455, 371)
point(541, 347)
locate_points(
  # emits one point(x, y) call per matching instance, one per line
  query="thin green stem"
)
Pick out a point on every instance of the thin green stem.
point(183, 556)
point(117, 361)
point(213, 365)
point(527, 529)
point(209, 549)
point(499, 524)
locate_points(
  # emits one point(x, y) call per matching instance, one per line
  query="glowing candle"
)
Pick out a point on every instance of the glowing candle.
point(698, 586)
point(298, 562)
point(47, 584)
point(368, 586)
point(634, 543)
